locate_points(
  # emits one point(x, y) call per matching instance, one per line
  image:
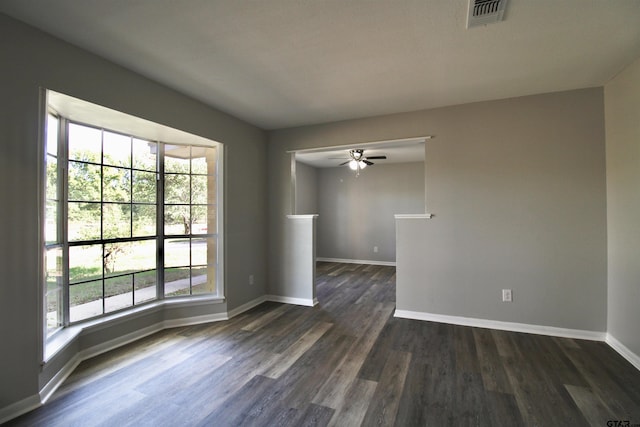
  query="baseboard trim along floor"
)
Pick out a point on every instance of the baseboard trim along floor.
point(630, 356)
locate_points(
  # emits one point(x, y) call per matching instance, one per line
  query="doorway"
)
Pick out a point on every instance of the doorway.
point(355, 209)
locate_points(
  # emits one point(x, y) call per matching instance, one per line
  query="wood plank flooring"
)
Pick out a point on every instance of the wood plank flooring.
point(346, 362)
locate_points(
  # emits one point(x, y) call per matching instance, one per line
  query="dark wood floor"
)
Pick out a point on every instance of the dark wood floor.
point(346, 362)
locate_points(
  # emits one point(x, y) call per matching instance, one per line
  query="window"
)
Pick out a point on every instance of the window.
point(189, 219)
point(52, 231)
point(129, 220)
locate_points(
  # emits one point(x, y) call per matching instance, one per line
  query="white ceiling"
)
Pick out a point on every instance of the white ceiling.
point(284, 63)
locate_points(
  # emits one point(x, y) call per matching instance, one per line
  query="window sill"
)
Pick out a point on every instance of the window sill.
point(61, 339)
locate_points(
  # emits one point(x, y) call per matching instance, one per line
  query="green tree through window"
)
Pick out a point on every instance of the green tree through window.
point(140, 221)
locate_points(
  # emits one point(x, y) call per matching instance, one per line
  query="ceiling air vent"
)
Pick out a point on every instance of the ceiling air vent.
point(483, 12)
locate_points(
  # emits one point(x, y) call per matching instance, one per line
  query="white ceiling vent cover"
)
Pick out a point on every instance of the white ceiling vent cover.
point(483, 12)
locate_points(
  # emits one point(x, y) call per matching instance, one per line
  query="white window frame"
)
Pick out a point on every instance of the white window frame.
point(86, 113)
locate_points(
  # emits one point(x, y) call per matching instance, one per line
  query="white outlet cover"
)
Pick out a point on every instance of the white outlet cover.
point(507, 295)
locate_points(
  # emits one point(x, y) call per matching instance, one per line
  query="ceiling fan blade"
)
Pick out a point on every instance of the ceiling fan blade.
point(367, 162)
point(376, 157)
point(337, 158)
point(342, 164)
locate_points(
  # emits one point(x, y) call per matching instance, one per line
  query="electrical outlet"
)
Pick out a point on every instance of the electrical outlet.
point(251, 279)
point(506, 295)
point(375, 249)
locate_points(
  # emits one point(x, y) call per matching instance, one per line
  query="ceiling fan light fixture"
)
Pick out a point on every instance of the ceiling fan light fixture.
point(358, 161)
point(357, 164)
point(356, 154)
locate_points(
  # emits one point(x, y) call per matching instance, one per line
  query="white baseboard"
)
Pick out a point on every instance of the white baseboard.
point(633, 358)
point(273, 298)
point(32, 402)
point(21, 407)
point(246, 306)
point(195, 320)
point(47, 391)
point(503, 326)
point(98, 349)
point(152, 329)
point(49, 388)
point(357, 261)
point(15, 410)
point(295, 301)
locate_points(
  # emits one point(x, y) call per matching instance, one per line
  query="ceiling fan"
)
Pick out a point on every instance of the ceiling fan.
point(357, 160)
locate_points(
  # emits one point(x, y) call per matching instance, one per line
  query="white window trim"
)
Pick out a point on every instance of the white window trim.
point(85, 112)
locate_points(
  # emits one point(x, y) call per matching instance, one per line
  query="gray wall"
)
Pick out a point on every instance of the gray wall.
point(622, 110)
point(306, 189)
point(32, 59)
point(299, 260)
point(357, 213)
point(517, 187)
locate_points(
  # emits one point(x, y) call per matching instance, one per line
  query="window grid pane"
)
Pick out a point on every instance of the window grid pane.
point(190, 215)
point(177, 281)
point(86, 300)
point(83, 221)
point(116, 149)
point(118, 293)
point(144, 286)
point(85, 143)
point(54, 285)
point(116, 184)
point(112, 193)
point(144, 155)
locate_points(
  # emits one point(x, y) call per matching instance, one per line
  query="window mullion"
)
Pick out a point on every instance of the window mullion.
point(104, 273)
point(90, 202)
point(133, 276)
point(190, 221)
point(63, 173)
point(160, 220)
